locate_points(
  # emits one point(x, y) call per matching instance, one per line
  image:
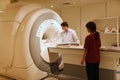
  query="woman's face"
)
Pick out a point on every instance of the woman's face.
point(88, 30)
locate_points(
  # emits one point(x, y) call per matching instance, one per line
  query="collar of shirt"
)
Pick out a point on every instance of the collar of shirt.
point(67, 31)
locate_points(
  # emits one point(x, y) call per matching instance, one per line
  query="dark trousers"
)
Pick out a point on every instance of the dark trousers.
point(92, 70)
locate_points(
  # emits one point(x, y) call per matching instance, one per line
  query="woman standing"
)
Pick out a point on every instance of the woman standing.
point(91, 52)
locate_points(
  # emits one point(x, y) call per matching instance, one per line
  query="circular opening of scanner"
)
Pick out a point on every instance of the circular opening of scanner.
point(51, 31)
point(46, 27)
point(48, 30)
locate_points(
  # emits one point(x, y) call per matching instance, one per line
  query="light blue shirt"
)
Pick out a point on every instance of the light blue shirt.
point(70, 36)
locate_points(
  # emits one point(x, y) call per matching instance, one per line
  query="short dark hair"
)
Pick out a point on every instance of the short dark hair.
point(64, 24)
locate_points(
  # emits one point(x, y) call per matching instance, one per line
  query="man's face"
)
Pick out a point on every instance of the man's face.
point(65, 28)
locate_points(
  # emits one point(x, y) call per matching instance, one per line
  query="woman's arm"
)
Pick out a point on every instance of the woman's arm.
point(83, 57)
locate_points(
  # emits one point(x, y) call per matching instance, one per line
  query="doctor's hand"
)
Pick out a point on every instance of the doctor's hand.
point(76, 44)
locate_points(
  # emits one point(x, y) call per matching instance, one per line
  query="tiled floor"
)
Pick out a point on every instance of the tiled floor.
point(118, 78)
point(65, 77)
point(69, 78)
point(62, 77)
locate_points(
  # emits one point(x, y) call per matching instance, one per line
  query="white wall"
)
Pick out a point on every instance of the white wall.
point(77, 17)
point(72, 16)
point(3, 4)
point(89, 13)
point(113, 8)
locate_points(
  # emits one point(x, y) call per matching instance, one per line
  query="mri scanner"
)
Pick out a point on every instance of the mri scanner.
point(24, 28)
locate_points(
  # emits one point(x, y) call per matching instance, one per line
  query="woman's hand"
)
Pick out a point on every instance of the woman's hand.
point(83, 58)
point(82, 61)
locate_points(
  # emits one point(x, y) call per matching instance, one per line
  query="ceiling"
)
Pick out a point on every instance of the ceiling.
point(66, 3)
point(56, 3)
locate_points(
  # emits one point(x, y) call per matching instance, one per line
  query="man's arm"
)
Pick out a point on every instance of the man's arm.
point(75, 37)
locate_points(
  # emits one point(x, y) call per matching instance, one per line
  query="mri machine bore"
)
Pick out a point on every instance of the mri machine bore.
point(24, 28)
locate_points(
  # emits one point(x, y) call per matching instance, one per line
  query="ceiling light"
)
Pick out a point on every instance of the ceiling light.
point(74, 2)
point(51, 6)
point(1, 11)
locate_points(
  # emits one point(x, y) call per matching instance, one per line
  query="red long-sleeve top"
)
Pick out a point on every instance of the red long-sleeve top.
point(92, 46)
